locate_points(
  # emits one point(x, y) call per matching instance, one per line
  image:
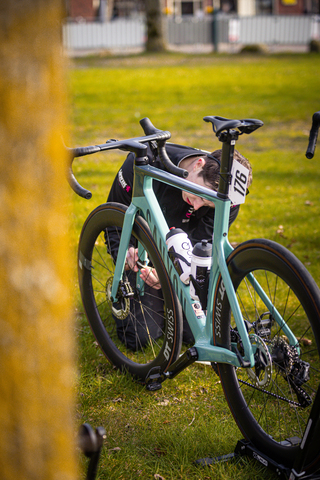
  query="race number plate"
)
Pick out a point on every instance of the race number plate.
point(239, 183)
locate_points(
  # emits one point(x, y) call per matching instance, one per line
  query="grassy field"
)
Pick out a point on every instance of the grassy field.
point(163, 433)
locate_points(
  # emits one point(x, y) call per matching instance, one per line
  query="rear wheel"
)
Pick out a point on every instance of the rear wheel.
point(144, 328)
point(271, 402)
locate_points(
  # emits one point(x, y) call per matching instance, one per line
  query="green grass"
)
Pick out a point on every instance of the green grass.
point(164, 432)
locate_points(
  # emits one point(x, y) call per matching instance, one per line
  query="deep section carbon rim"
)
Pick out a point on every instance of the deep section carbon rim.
point(271, 402)
point(143, 329)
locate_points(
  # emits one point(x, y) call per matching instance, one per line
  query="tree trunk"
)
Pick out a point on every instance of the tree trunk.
point(155, 26)
point(36, 352)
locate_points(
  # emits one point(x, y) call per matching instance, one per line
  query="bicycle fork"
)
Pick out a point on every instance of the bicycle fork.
point(123, 247)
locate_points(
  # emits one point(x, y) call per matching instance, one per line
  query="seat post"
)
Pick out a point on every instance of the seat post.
point(228, 140)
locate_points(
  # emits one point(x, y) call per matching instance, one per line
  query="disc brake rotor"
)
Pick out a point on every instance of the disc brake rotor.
point(261, 373)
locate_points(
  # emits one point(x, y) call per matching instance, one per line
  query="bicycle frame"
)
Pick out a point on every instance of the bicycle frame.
point(145, 202)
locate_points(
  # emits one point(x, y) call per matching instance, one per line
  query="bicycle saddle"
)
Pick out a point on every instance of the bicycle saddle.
point(247, 125)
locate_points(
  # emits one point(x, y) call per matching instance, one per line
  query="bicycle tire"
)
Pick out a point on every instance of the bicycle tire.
point(96, 266)
point(266, 404)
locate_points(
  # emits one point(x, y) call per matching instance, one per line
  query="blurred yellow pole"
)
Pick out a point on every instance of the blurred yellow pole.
point(36, 337)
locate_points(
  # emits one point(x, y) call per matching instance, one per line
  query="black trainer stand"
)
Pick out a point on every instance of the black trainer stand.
point(91, 442)
point(245, 448)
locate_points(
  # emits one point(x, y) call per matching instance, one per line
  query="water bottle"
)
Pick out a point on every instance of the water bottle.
point(180, 252)
point(201, 261)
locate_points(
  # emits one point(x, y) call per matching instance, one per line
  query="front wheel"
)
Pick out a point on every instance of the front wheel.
point(271, 402)
point(143, 329)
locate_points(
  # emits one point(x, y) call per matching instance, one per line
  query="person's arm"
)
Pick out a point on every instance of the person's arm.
point(120, 192)
point(121, 189)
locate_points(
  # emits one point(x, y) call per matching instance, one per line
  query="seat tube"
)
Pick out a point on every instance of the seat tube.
point(228, 140)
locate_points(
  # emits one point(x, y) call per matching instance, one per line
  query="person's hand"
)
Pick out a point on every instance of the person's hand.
point(147, 274)
point(150, 277)
point(131, 260)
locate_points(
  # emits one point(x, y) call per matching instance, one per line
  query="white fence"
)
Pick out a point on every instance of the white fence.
point(265, 29)
point(275, 30)
point(107, 35)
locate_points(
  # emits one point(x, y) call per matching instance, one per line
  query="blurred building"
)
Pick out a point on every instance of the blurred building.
point(103, 10)
point(91, 10)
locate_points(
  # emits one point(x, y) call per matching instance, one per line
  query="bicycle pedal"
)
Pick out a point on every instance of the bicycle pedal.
point(152, 387)
point(154, 379)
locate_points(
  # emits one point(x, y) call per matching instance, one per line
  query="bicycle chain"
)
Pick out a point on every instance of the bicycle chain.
point(305, 399)
point(300, 392)
point(279, 397)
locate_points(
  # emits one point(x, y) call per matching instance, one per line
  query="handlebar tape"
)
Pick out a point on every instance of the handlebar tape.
point(74, 184)
point(81, 151)
point(76, 187)
point(171, 167)
point(313, 135)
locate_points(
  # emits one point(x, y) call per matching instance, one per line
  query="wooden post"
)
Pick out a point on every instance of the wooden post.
point(36, 336)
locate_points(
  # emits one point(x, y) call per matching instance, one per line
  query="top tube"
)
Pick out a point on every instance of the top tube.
point(174, 181)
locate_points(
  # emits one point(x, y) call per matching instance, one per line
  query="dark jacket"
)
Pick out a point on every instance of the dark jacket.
point(197, 224)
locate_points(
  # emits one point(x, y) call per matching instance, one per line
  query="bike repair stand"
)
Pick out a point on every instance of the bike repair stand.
point(244, 447)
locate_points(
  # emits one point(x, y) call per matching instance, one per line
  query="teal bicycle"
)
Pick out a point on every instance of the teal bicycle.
point(260, 329)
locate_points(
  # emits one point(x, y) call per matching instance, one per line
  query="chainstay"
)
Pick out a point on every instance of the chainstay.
point(279, 397)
